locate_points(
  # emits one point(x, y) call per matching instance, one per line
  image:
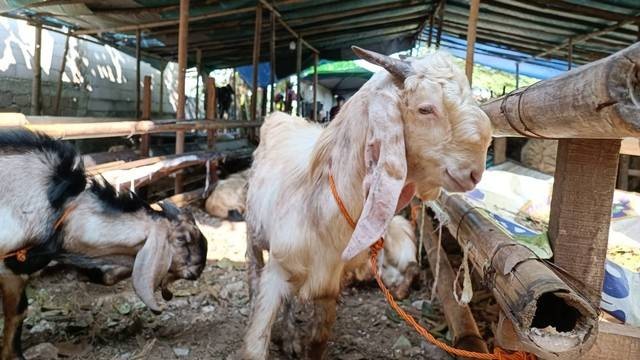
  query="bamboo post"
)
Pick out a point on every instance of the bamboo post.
point(315, 86)
point(63, 65)
point(36, 84)
point(211, 110)
point(272, 46)
point(161, 91)
point(183, 36)
point(256, 61)
point(596, 100)
point(146, 115)
point(138, 38)
point(531, 295)
point(198, 72)
point(579, 224)
point(298, 76)
point(462, 325)
point(471, 38)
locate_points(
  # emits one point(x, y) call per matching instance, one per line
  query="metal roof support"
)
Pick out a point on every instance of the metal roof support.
point(138, 37)
point(63, 65)
point(272, 62)
point(36, 84)
point(315, 87)
point(145, 140)
point(161, 91)
point(256, 61)
point(286, 26)
point(183, 39)
point(471, 38)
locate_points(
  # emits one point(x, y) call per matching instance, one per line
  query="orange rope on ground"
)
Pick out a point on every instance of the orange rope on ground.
point(498, 354)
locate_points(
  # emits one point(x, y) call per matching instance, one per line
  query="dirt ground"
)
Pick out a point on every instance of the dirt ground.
point(71, 318)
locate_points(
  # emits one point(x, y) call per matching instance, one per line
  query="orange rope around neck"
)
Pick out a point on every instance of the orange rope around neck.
point(498, 354)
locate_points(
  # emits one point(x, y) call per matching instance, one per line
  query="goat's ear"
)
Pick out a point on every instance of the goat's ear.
point(170, 209)
point(398, 68)
point(151, 266)
point(386, 172)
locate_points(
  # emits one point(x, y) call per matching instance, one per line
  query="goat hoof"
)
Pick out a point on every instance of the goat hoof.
point(234, 215)
point(167, 295)
point(293, 348)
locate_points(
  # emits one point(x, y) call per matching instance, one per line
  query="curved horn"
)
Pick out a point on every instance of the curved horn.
point(398, 68)
point(151, 266)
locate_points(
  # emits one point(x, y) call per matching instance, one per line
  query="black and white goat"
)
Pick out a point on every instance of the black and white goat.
point(49, 211)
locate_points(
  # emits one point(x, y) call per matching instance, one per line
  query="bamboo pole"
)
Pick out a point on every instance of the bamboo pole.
point(315, 87)
point(198, 72)
point(138, 38)
point(36, 84)
point(211, 110)
point(462, 325)
point(127, 128)
point(471, 38)
point(530, 294)
point(298, 76)
point(146, 115)
point(272, 73)
point(183, 36)
point(63, 65)
point(161, 91)
point(256, 61)
point(597, 100)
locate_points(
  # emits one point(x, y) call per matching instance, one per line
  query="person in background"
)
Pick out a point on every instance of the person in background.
point(334, 110)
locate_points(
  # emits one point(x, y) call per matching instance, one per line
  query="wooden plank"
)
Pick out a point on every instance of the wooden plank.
point(570, 53)
point(145, 142)
point(36, 83)
point(593, 101)
point(630, 146)
point(585, 179)
point(199, 72)
point(161, 95)
point(615, 342)
point(441, 7)
point(471, 38)
point(138, 45)
point(623, 172)
point(63, 65)
point(499, 150)
point(183, 37)
point(211, 110)
point(256, 61)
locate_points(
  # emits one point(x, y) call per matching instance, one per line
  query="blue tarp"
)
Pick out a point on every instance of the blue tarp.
point(501, 58)
point(264, 72)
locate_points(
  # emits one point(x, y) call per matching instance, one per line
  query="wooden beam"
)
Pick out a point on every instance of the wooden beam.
point(198, 73)
point(527, 291)
point(471, 38)
point(579, 224)
point(63, 65)
point(299, 77)
point(182, 70)
point(91, 130)
point(570, 53)
point(440, 21)
point(315, 87)
point(499, 150)
point(138, 46)
point(211, 110)
point(284, 24)
point(517, 74)
point(164, 23)
point(462, 326)
point(593, 101)
point(272, 62)
point(615, 341)
point(36, 83)
point(161, 91)
point(146, 115)
point(623, 172)
point(256, 61)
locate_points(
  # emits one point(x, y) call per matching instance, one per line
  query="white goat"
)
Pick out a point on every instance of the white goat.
point(398, 265)
point(407, 131)
point(229, 197)
point(48, 211)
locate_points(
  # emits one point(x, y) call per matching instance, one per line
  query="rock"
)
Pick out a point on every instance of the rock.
point(417, 304)
point(41, 327)
point(208, 309)
point(44, 351)
point(181, 352)
point(402, 343)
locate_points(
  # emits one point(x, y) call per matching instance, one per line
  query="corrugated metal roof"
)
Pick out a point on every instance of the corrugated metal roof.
point(225, 30)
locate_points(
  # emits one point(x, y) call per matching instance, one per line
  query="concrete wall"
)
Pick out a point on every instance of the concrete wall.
point(98, 80)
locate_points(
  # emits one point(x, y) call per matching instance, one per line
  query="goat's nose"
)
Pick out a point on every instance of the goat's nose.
point(475, 176)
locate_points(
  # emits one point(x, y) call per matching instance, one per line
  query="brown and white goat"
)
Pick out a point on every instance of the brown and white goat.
point(48, 209)
point(409, 130)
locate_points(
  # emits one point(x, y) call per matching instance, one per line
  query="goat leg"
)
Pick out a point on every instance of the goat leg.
point(14, 305)
point(324, 315)
point(292, 339)
point(255, 261)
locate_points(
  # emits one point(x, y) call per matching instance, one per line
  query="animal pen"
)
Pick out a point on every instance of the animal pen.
point(548, 307)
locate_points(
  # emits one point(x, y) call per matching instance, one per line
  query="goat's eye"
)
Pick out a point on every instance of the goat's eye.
point(427, 109)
